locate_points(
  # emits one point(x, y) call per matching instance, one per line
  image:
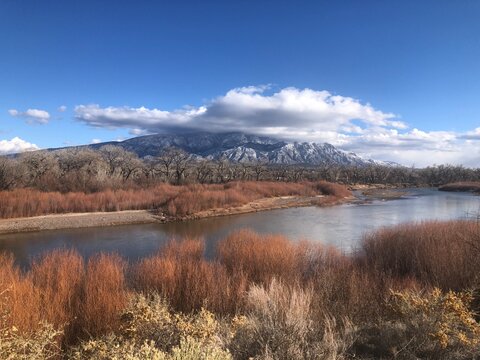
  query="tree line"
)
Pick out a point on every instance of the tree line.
point(113, 167)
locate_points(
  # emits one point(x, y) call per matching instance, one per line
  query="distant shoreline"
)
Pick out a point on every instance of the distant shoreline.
point(466, 186)
point(132, 217)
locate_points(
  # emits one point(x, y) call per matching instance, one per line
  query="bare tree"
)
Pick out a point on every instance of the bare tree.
point(113, 157)
point(41, 168)
point(10, 173)
point(165, 161)
point(259, 168)
point(120, 162)
point(203, 172)
point(174, 163)
point(223, 171)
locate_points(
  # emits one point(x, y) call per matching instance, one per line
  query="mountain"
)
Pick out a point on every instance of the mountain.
point(240, 147)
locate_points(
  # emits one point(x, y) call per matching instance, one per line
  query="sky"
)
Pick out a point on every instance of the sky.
point(390, 80)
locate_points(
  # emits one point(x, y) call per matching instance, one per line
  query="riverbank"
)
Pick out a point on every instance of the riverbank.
point(473, 187)
point(76, 220)
point(131, 217)
point(383, 194)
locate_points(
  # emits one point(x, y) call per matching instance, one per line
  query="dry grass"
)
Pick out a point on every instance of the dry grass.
point(471, 186)
point(443, 254)
point(28, 202)
point(276, 298)
point(104, 294)
point(181, 274)
point(174, 200)
point(259, 257)
point(281, 324)
point(61, 290)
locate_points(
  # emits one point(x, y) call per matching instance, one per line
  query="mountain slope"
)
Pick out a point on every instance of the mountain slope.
point(240, 147)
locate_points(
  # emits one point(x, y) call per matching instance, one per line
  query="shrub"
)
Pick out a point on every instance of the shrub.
point(258, 257)
point(180, 273)
point(58, 279)
point(279, 325)
point(151, 331)
point(104, 294)
point(443, 254)
point(113, 347)
point(431, 325)
point(177, 201)
point(39, 344)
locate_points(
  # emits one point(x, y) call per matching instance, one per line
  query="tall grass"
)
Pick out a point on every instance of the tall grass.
point(60, 289)
point(295, 298)
point(443, 254)
point(173, 200)
point(259, 257)
point(181, 274)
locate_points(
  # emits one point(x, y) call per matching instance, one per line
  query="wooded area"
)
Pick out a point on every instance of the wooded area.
point(112, 167)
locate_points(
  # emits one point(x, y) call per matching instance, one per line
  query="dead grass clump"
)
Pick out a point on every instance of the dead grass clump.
point(259, 257)
point(443, 254)
point(58, 277)
point(279, 325)
point(19, 299)
point(104, 294)
point(180, 273)
point(61, 291)
point(333, 189)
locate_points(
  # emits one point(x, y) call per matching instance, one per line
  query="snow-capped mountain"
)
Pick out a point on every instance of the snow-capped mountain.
point(240, 147)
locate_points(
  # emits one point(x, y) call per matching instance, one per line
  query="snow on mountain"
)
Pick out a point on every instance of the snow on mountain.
point(243, 148)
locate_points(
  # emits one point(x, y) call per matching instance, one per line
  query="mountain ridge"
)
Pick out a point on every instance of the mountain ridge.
point(242, 148)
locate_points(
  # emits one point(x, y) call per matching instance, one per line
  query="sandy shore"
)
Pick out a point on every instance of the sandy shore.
point(84, 220)
point(271, 204)
point(384, 194)
point(76, 220)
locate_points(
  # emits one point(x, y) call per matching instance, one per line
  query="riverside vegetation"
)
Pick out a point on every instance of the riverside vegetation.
point(112, 167)
point(409, 292)
point(172, 200)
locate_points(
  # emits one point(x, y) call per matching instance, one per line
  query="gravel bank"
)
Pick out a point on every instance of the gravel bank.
point(77, 220)
point(83, 220)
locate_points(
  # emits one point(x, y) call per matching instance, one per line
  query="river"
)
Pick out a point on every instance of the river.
point(342, 226)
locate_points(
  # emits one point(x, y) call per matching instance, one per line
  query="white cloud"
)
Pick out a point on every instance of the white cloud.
point(299, 114)
point(32, 116)
point(472, 135)
point(138, 132)
point(95, 141)
point(247, 109)
point(16, 145)
point(62, 108)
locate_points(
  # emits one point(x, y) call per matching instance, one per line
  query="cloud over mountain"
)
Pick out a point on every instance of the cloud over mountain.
point(290, 111)
point(298, 114)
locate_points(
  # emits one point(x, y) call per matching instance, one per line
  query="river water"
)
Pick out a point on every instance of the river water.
point(342, 226)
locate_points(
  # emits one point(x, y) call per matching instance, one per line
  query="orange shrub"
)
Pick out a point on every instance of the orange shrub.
point(259, 257)
point(444, 254)
point(174, 200)
point(188, 281)
point(104, 294)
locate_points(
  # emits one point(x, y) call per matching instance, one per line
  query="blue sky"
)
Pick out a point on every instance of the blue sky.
point(395, 80)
